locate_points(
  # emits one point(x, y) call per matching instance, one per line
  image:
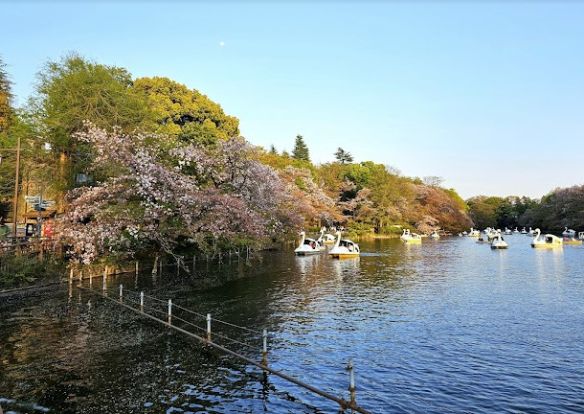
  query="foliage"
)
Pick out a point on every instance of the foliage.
point(483, 211)
point(206, 197)
point(74, 90)
point(498, 212)
point(184, 114)
point(563, 207)
point(342, 156)
point(5, 98)
point(375, 195)
point(300, 151)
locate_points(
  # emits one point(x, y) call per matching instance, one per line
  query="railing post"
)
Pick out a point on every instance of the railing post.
point(141, 301)
point(121, 292)
point(137, 268)
point(265, 347)
point(71, 275)
point(90, 280)
point(169, 311)
point(352, 388)
point(209, 327)
point(104, 279)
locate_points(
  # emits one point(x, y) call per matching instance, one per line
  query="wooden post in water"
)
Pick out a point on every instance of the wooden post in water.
point(209, 327)
point(121, 293)
point(352, 388)
point(169, 311)
point(155, 266)
point(137, 268)
point(141, 301)
point(104, 280)
point(265, 347)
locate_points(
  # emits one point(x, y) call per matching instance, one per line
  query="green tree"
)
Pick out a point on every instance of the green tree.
point(185, 114)
point(273, 150)
point(5, 98)
point(484, 211)
point(300, 151)
point(74, 90)
point(343, 156)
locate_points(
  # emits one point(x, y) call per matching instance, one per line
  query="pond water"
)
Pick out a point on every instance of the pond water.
point(446, 326)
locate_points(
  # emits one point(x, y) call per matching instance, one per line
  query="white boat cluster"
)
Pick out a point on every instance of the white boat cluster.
point(496, 240)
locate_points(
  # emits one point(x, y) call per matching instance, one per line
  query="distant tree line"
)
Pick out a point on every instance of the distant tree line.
point(562, 207)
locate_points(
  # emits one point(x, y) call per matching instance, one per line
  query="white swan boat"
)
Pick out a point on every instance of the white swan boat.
point(327, 238)
point(344, 248)
point(498, 242)
point(474, 233)
point(569, 233)
point(308, 246)
point(516, 231)
point(508, 232)
point(530, 232)
point(581, 235)
point(434, 235)
point(492, 234)
point(410, 238)
point(547, 241)
point(523, 231)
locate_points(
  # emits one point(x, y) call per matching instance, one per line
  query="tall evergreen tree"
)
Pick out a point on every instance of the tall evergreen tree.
point(300, 151)
point(5, 98)
point(273, 150)
point(343, 156)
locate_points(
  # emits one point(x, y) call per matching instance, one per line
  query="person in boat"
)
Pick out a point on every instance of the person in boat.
point(313, 245)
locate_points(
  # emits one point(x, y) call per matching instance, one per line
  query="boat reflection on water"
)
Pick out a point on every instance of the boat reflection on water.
point(308, 264)
point(347, 266)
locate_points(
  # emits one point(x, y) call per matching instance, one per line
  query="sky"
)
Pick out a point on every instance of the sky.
point(487, 95)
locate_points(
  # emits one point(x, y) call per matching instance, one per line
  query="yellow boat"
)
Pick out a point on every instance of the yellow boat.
point(344, 248)
point(571, 241)
point(548, 241)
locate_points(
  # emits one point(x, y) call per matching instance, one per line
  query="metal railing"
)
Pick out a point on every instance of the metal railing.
point(150, 307)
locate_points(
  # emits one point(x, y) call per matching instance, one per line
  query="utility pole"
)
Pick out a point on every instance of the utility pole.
point(16, 185)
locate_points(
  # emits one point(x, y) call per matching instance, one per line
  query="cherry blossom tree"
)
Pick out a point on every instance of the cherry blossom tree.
point(154, 199)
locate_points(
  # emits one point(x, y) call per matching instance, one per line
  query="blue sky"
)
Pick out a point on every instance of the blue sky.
point(488, 95)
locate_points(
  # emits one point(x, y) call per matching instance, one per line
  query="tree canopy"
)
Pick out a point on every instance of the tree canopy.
point(74, 90)
point(183, 113)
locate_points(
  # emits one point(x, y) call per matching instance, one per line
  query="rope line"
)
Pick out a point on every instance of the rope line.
point(175, 317)
point(174, 305)
point(344, 404)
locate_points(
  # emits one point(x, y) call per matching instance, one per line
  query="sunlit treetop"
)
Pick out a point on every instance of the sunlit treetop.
point(184, 113)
